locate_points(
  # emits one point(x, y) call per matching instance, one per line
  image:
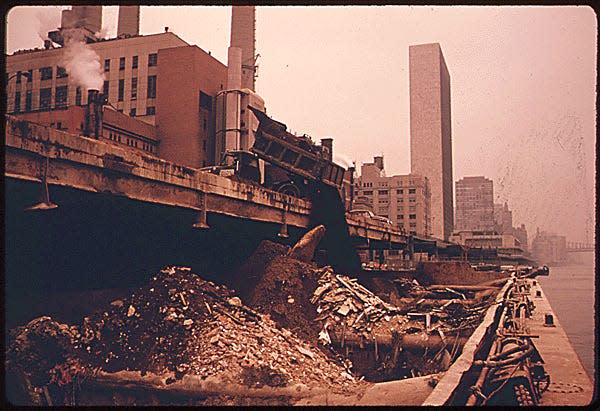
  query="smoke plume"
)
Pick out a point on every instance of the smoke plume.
point(81, 62)
point(48, 20)
point(343, 160)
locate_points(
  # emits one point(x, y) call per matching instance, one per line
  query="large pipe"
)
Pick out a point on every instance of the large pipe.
point(93, 114)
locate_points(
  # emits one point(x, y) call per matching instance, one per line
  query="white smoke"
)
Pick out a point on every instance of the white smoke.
point(48, 20)
point(81, 62)
point(343, 160)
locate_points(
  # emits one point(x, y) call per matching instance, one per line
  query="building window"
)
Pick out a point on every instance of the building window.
point(17, 102)
point(204, 145)
point(152, 59)
point(121, 89)
point(18, 80)
point(107, 65)
point(368, 192)
point(383, 200)
point(78, 96)
point(412, 216)
point(400, 216)
point(105, 89)
point(60, 98)
point(134, 62)
point(412, 200)
point(150, 111)
point(30, 76)
point(151, 86)
point(122, 64)
point(28, 100)
point(45, 97)
point(205, 101)
point(204, 124)
point(134, 88)
point(46, 73)
point(400, 191)
point(400, 200)
point(382, 192)
point(61, 72)
point(132, 112)
point(412, 208)
point(412, 191)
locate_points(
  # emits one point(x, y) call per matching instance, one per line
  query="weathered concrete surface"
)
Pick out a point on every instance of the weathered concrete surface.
point(570, 383)
point(410, 391)
point(98, 166)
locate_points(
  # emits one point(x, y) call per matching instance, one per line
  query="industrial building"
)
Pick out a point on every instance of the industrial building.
point(430, 131)
point(403, 199)
point(474, 204)
point(549, 247)
point(503, 218)
point(159, 79)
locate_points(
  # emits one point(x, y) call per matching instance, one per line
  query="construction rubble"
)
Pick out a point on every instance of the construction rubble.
point(296, 328)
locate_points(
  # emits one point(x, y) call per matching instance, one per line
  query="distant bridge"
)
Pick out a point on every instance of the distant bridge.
point(573, 247)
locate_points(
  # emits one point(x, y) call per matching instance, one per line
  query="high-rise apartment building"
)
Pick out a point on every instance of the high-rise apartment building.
point(430, 131)
point(474, 204)
point(403, 199)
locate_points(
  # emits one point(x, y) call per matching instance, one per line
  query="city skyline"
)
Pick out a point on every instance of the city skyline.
point(518, 81)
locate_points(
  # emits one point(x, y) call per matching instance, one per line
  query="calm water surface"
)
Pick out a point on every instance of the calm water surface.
point(570, 291)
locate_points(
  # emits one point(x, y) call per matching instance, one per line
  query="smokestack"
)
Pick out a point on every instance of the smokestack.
point(243, 36)
point(234, 68)
point(93, 114)
point(327, 143)
point(129, 21)
point(378, 160)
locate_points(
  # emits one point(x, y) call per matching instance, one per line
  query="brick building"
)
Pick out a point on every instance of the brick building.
point(404, 199)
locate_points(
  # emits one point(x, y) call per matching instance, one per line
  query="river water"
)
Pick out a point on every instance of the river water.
point(570, 291)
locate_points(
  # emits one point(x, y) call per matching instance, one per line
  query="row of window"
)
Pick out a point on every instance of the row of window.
point(132, 142)
point(150, 90)
point(152, 61)
point(386, 192)
point(410, 216)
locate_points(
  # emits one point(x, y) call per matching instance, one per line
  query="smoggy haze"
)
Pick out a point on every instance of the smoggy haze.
point(523, 88)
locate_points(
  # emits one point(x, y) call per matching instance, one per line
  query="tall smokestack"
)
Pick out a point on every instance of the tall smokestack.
point(129, 21)
point(234, 68)
point(243, 36)
point(93, 114)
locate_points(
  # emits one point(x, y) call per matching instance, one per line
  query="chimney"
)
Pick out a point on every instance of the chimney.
point(378, 160)
point(93, 114)
point(327, 143)
point(47, 44)
point(129, 21)
point(234, 68)
point(243, 36)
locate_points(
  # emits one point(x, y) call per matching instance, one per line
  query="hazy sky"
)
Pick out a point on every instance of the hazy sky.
point(523, 85)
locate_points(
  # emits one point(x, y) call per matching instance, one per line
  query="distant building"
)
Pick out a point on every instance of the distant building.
point(487, 239)
point(474, 204)
point(430, 131)
point(549, 248)
point(503, 218)
point(403, 199)
point(521, 234)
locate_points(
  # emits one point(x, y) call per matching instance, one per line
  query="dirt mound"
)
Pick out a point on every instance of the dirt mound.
point(284, 292)
point(178, 324)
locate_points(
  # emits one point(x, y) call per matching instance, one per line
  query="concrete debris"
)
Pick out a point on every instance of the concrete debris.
point(172, 330)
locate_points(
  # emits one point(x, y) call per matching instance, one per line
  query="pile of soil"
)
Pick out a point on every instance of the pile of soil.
point(284, 292)
point(178, 324)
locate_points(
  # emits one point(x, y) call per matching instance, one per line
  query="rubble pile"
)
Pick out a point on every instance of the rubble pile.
point(343, 303)
point(178, 324)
